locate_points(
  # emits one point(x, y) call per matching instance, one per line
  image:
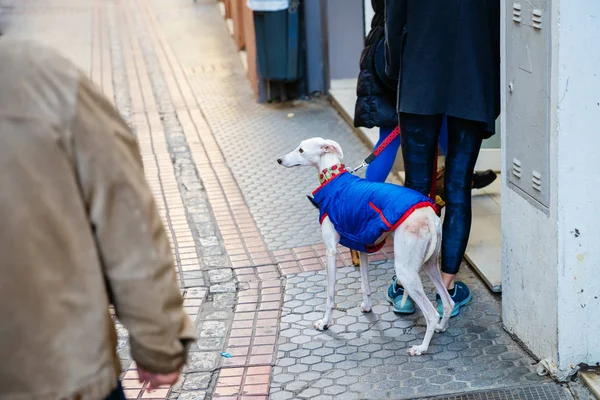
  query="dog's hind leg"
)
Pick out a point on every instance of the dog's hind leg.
point(432, 267)
point(364, 283)
point(331, 239)
point(413, 285)
point(411, 244)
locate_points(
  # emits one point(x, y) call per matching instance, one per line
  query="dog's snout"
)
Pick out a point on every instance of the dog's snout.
point(279, 160)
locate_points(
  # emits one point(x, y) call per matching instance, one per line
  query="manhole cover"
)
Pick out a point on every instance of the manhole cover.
point(539, 392)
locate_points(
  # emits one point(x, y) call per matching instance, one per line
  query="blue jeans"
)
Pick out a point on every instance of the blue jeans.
point(380, 168)
point(420, 135)
point(116, 394)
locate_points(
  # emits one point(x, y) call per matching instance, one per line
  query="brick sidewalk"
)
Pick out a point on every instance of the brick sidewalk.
point(238, 224)
point(215, 239)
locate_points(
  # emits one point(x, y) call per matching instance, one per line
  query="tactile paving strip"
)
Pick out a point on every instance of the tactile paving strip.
point(252, 136)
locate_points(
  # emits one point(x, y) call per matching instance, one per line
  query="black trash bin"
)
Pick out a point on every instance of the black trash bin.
point(277, 43)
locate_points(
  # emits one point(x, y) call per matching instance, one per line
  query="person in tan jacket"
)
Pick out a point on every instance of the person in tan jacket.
point(79, 230)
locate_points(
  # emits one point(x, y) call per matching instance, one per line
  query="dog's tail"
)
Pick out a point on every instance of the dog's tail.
point(433, 223)
point(404, 297)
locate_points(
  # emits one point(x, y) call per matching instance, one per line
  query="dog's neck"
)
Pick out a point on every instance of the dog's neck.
point(330, 172)
point(329, 166)
point(327, 160)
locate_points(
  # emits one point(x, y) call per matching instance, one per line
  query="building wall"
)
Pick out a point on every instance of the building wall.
point(551, 261)
point(315, 30)
point(345, 36)
point(578, 112)
point(529, 274)
point(369, 14)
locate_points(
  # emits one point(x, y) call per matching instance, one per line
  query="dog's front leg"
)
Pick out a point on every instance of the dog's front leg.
point(331, 239)
point(364, 283)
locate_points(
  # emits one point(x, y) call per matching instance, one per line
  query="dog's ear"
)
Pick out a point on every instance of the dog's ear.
point(331, 146)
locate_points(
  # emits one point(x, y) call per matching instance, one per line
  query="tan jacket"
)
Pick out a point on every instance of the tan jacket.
point(77, 222)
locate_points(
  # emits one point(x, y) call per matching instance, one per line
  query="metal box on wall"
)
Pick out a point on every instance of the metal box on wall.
point(528, 44)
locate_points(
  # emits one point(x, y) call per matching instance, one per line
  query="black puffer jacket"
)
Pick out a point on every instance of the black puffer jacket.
point(376, 95)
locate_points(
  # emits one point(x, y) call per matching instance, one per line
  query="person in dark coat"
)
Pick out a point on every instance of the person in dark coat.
point(444, 57)
point(375, 105)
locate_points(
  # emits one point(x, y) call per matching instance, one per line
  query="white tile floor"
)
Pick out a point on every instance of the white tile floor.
point(484, 249)
point(343, 95)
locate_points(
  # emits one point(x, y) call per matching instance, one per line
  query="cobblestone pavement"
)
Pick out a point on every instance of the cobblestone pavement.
point(245, 240)
point(365, 356)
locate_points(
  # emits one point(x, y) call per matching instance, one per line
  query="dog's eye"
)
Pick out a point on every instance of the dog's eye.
point(300, 150)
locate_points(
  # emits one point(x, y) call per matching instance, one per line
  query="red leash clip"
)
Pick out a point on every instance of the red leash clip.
point(393, 134)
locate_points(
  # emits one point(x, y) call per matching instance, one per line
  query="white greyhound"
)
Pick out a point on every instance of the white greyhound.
point(417, 239)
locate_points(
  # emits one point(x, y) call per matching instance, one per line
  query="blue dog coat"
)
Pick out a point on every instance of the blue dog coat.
point(362, 211)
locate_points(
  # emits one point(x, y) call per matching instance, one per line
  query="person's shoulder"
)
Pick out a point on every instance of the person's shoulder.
point(44, 81)
point(25, 49)
point(29, 57)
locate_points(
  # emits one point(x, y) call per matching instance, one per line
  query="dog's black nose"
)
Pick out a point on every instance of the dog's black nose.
point(279, 160)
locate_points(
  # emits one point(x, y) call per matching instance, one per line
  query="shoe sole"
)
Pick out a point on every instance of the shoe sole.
point(391, 301)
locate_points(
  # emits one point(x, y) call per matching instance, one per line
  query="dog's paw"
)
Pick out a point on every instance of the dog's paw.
point(439, 328)
point(417, 350)
point(321, 325)
point(366, 308)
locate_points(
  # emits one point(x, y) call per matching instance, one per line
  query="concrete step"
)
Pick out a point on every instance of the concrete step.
point(591, 378)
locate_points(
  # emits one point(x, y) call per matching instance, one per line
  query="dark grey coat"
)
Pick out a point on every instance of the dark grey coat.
point(446, 54)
